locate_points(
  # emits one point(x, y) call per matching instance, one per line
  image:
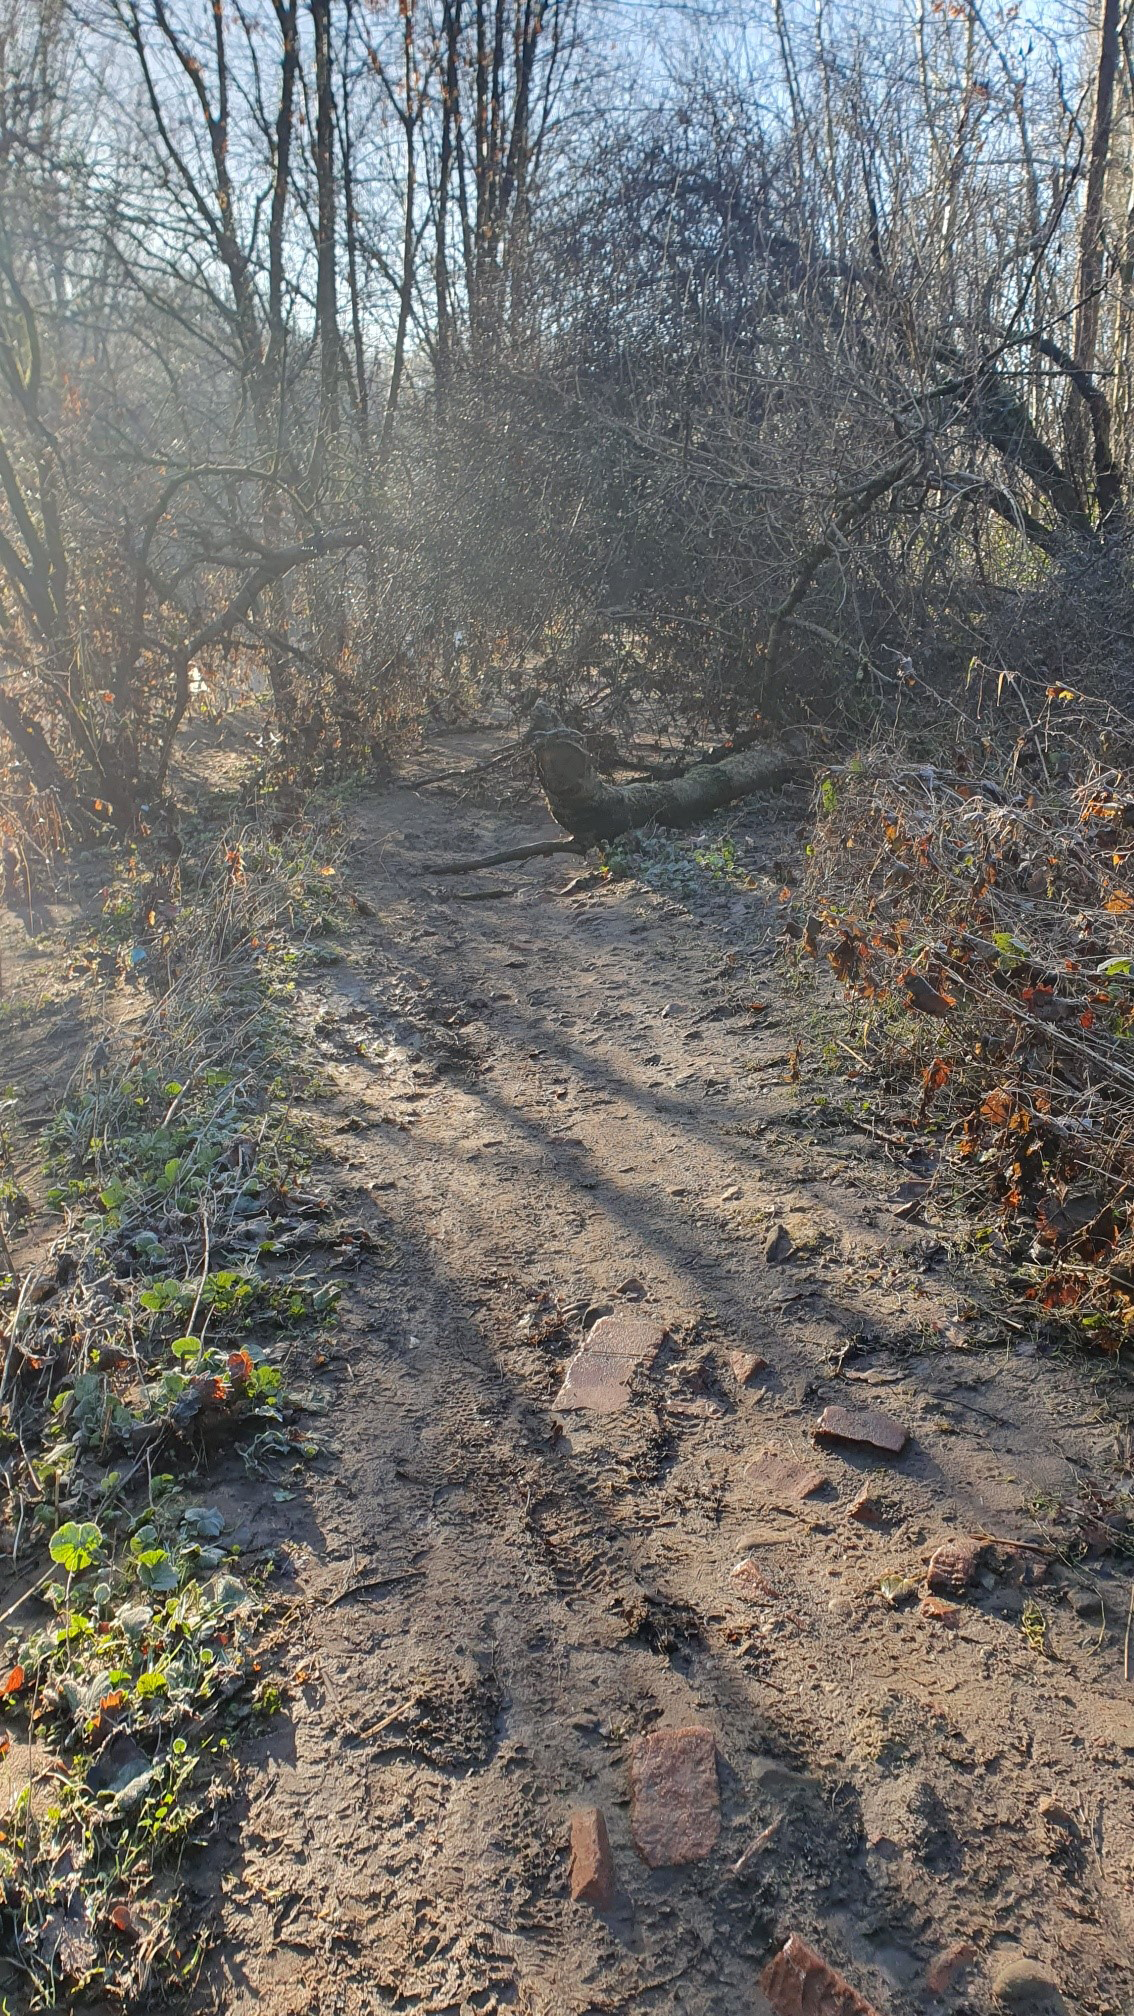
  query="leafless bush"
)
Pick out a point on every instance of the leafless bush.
point(396, 356)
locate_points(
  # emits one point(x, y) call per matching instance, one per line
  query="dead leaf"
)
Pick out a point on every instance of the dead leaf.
point(924, 997)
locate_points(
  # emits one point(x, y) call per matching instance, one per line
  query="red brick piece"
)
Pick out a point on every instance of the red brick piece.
point(598, 1377)
point(675, 1814)
point(867, 1428)
point(953, 1566)
point(593, 1880)
point(781, 1481)
point(940, 1612)
point(745, 1365)
point(798, 1983)
point(944, 1969)
point(866, 1509)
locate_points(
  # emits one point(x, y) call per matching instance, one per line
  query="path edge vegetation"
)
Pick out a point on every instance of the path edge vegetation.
point(156, 1338)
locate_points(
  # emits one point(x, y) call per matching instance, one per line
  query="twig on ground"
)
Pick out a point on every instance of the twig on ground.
point(374, 1582)
point(476, 895)
point(755, 1847)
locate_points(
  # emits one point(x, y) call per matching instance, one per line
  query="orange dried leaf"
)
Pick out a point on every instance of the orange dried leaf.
point(16, 1680)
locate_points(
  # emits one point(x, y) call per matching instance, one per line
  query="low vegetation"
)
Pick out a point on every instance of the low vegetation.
point(971, 888)
point(153, 1344)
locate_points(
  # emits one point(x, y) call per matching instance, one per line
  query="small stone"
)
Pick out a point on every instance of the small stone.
point(867, 1509)
point(866, 1428)
point(1025, 1988)
point(755, 1587)
point(779, 1247)
point(945, 1968)
point(745, 1365)
point(598, 1377)
point(940, 1612)
point(632, 1290)
point(954, 1566)
point(593, 1880)
point(675, 1814)
point(797, 1982)
point(779, 1480)
point(731, 1195)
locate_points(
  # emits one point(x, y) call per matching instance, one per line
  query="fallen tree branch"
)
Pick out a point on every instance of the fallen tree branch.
point(528, 853)
point(592, 810)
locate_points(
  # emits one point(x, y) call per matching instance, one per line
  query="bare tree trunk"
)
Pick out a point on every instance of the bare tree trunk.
point(409, 117)
point(1088, 308)
point(326, 294)
point(1091, 231)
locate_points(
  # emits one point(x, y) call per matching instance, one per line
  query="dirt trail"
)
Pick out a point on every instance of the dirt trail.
point(541, 1102)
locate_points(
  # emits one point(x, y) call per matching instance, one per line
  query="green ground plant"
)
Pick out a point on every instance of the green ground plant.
point(153, 1337)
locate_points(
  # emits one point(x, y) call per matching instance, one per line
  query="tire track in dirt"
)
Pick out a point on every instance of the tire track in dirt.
point(537, 1106)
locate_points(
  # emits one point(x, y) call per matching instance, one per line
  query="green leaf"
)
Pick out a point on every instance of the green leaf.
point(187, 1347)
point(161, 1295)
point(75, 1547)
point(1009, 947)
point(265, 1382)
point(149, 1684)
point(156, 1570)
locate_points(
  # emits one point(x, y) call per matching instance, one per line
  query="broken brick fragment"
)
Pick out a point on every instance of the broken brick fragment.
point(745, 1365)
point(599, 1375)
point(940, 1612)
point(781, 1481)
point(592, 1876)
point(797, 1981)
point(675, 1814)
point(866, 1428)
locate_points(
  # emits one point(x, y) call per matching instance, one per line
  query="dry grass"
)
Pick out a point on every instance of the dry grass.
point(979, 908)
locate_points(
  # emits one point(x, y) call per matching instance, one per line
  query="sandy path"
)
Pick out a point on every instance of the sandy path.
point(535, 1104)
